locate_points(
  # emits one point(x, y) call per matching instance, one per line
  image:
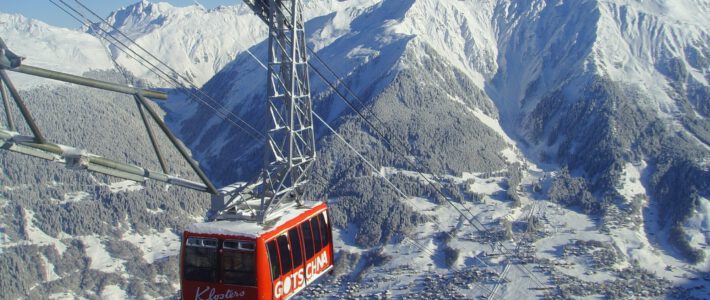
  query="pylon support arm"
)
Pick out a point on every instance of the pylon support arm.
point(13, 62)
point(23, 108)
point(151, 135)
point(6, 104)
point(183, 151)
point(81, 160)
point(35, 71)
point(78, 159)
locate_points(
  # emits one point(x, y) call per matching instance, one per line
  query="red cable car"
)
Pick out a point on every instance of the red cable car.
point(244, 260)
point(263, 242)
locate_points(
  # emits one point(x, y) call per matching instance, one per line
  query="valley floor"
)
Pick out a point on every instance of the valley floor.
point(563, 254)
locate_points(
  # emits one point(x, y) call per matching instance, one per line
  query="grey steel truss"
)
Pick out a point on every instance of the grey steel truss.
point(78, 159)
point(290, 142)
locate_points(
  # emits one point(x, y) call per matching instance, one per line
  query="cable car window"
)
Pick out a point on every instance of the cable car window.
point(239, 245)
point(284, 254)
point(247, 246)
point(201, 258)
point(238, 266)
point(210, 243)
point(273, 260)
point(295, 237)
point(307, 239)
point(231, 245)
point(316, 234)
point(324, 230)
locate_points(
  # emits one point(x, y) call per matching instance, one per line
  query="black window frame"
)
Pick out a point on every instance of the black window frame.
point(284, 254)
point(243, 277)
point(317, 237)
point(324, 229)
point(274, 261)
point(201, 246)
point(308, 241)
point(294, 237)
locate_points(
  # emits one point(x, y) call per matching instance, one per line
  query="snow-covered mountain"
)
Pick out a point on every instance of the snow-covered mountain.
point(197, 42)
point(615, 91)
point(75, 235)
point(577, 132)
point(201, 41)
point(50, 47)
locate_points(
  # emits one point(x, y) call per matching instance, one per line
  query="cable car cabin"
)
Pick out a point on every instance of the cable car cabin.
point(243, 260)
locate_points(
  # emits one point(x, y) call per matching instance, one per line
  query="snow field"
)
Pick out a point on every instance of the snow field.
point(113, 292)
point(156, 245)
point(101, 260)
point(125, 186)
point(37, 237)
point(54, 48)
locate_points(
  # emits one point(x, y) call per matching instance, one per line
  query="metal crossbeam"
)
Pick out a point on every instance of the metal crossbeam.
point(290, 142)
point(78, 159)
point(99, 84)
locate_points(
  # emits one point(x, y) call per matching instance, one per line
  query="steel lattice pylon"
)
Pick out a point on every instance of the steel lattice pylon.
point(290, 143)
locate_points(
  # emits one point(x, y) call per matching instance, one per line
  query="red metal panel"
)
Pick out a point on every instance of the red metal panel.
point(283, 287)
point(291, 283)
point(196, 290)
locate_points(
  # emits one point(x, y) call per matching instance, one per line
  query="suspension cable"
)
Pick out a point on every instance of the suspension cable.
point(475, 223)
point(394, 187)
point(222, 112)
point(192, 84)
point(480, 227)
point(471, 219)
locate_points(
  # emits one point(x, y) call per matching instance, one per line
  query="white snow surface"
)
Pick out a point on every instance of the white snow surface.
point(461, 31)
point(38, 237)
point(64, 296)
point(74, 197)
point(635, 35)
point(196, 42)
point(50, 47)
point(101, 259)
point(113, 292)
point(125, 186)
point(246, 228)
point(156, 245)
point(49, 272)
point(697, 227)
point(631, 184)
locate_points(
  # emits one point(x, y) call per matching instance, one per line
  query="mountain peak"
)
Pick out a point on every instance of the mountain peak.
point(192, 40)
point(142, 12)
point(55, 48)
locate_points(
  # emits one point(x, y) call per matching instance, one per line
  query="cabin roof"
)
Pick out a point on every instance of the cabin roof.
point(250, 229)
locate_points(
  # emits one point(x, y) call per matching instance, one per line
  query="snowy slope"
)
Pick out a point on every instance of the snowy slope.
point(636, 40)
point(461, 31)
point(648, 45)
point(50, 47)
point(196, 42)
point(578, 83)
point(72, 234)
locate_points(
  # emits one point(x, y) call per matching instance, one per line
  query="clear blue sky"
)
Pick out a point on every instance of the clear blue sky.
point(47, 12)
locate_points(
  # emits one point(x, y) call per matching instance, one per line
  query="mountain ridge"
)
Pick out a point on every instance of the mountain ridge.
point(51, 47)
